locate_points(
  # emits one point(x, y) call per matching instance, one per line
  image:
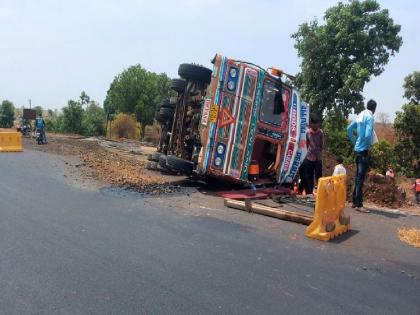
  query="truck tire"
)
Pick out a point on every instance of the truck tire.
point(151, 165)
point(162, 161)
point(160, 119)
point(194, 73)
point(175, 163)
point(166, 113)
point(166, 104)
point(154, 156)
point(178, 85)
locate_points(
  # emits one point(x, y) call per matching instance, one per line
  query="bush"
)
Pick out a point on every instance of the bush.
point(125, 126)
point(72, 117)
point(7, 114)
point(53, 121)
point(93, 123)
point(383, 156)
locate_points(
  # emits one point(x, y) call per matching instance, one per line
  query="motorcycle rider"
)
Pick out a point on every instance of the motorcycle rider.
point(40, 126)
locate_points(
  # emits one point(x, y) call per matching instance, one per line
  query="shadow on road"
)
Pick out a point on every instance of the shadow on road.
point(344, 237)
point(388, 214)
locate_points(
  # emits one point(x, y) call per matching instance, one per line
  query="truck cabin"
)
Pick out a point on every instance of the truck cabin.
point(244, 123)
point(271, 130)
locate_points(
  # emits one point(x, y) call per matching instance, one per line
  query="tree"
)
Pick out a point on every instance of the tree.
point(38, 109)
point(137, 91)
point(72, 117)
point(84, 98)
point(7, 114)
point(406, 125)
point(412, 87)
point(340, 56)
point(54, 121)
point(94, 120)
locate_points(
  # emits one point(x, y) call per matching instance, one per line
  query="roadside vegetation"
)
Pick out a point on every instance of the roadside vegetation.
point(339, 57)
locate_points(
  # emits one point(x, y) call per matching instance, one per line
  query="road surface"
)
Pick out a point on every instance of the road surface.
point(68, 248)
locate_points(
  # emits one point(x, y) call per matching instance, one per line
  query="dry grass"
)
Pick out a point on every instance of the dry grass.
point(410, 236)
point(125, 126)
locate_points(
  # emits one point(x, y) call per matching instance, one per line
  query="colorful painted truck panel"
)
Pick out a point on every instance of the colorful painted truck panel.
point(249, 115)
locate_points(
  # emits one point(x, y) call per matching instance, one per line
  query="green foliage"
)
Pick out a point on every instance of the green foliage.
point(76, 119)
point(7, 114)
point(84, 98)
point(383, 156)
point(93, 122)
point(54, 121)
point(137, 91)
point(412, 87)
point(336, 139)
point(340, 56)
point(406, 125)
point(72, 117)
point(38, 109)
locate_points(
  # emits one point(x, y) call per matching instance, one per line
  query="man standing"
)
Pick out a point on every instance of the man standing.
point(363, 124)
point(313, 161)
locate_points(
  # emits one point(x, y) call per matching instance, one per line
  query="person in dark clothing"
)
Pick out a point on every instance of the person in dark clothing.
point(313, 161)
point(363, 124)
point(40, 126)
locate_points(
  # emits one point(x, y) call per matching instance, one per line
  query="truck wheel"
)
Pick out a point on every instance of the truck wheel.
point(178, 85)
point(162, 161)
point(151, 165)
point(166, 113)
point(166, 104)
point(178, 164)
point(194, 73)
point(154, 156)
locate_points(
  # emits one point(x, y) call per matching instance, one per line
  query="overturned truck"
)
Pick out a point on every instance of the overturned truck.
point(237, 122)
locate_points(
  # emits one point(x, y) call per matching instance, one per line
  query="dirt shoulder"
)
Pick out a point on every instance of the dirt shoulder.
point(119, 163)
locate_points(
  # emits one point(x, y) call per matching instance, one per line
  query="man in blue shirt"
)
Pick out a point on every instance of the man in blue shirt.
point(363, 124)
point(40, 126)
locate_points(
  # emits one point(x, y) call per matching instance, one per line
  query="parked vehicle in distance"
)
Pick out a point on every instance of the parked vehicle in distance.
point(237, 122)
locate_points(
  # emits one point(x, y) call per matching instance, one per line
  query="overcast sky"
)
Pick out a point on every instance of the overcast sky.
point(52, 50)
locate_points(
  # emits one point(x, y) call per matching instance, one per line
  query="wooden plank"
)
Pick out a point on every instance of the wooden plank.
point(269, 211)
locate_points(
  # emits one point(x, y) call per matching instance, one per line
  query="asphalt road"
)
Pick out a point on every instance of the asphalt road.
point(68, 249)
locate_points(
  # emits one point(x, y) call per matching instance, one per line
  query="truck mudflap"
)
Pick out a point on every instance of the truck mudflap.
point(295, 149)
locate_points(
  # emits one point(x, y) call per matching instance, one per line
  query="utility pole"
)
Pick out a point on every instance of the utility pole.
point(30, 105)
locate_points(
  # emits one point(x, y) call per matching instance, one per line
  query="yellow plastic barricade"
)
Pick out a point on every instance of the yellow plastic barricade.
point(10, 141)
point(329, 219)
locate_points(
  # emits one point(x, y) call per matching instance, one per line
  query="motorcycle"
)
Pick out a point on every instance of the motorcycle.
point(39, 136)
point(25, 130)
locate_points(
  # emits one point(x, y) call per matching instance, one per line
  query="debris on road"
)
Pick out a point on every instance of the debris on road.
point(110, 164)
point(410, 236)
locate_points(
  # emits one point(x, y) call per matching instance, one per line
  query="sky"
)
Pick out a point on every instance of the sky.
point(52, 50)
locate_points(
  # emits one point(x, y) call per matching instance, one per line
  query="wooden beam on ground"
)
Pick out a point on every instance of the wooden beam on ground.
point(270, 211)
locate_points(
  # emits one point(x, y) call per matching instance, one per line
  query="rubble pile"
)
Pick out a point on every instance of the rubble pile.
point(109, 166)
